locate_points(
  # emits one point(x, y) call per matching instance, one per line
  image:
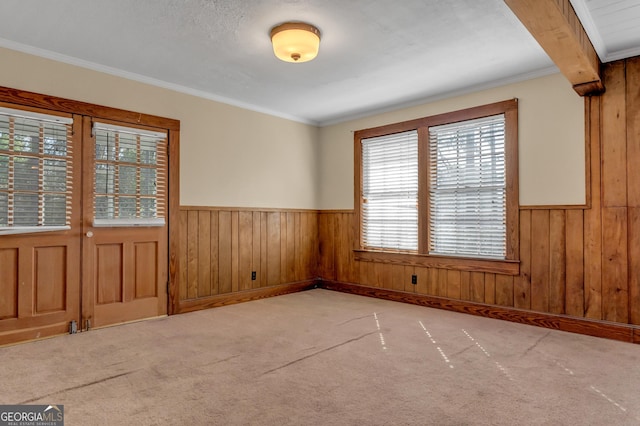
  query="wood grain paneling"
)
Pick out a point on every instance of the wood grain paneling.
point(223, 246)
point(540, 270)
point(593, 216)
point(574, 304)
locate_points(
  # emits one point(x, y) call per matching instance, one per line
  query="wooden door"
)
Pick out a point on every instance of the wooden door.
point(125, 257)
point(39, 271)
point(60, 269)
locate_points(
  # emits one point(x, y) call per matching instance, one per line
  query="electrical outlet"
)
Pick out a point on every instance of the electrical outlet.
point(253, 275)
point(414, 279)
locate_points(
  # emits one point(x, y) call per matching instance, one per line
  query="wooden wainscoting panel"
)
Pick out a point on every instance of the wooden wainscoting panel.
point(540, 273)
point(235, 250)
point(192, 254)
point(453, 284)
point(574, 304)
point(477, 286)
point(274, 253)
point(245, 248)
point(614, 265)
point(490, 288)
point(522, 283)
point(256, 263)
point(214, 256)
point(465, 285)
point(224, 250)
point(634, 264)
point(223, 247)
point(327, 245)
point(203, 243)
point(183, 257)
point(557, 261)
point(504, 290)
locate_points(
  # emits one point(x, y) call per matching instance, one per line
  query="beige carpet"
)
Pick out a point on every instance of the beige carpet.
point(327, 358)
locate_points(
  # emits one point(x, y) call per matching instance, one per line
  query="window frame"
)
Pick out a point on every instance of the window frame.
point(510, 265)
point(61, 119)
point(162, 143)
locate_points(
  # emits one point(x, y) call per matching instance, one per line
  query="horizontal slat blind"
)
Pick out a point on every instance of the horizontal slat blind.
point(390, 191)
point(467, 203)
point(130, 173)
point(36, 169)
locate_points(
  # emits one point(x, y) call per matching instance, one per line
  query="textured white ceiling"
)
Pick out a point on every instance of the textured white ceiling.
point(374, 54)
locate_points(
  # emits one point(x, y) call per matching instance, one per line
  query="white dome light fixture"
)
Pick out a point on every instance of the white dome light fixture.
point(295, 41)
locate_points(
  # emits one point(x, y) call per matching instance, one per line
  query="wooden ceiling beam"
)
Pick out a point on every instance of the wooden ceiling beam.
point(558, 30)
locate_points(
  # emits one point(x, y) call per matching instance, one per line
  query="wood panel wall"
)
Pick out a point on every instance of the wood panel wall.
point(582, 262)
point(221, 247)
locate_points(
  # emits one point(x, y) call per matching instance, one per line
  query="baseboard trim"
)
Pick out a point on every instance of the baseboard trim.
point(243, 296)
point(604, 329)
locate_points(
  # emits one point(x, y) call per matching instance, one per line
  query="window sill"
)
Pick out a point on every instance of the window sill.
point(507, 267)
point(122, 223)
point(12, 230)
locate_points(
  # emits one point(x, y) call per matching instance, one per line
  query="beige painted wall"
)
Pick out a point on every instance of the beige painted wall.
point(235, 157)
point(551, 142)
point(229, 156)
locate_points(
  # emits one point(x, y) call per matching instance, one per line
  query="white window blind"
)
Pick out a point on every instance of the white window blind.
point(390, 191)
point(130, 176)
point(468, 188)
point(36, 171)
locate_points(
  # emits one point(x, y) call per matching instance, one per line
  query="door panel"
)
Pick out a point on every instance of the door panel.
point(50, 279)
point(9, 283)
point(40, 272)
point(108, 277)
point(125, 268)
point(128, 273)
point(40, 284)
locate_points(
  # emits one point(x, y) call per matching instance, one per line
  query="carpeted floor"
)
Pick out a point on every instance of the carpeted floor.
point(327, 358)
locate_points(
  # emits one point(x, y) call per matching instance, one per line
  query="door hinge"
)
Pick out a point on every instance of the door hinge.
point(73, 327)
point(88, 324)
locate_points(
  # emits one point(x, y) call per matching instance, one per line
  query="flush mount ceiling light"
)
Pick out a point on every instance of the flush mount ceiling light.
point(295, 41)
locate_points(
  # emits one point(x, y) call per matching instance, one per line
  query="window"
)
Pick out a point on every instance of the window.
point(35, 171)
point(129, 179)
point(467, 188)
point(441, 186)
point(390, 191)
